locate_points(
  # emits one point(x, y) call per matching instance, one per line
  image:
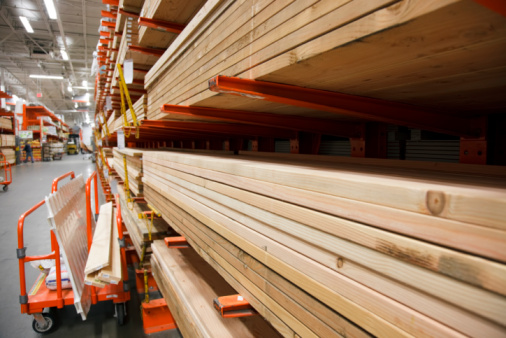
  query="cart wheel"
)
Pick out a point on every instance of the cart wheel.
point(120, 313)
point(50, 321)
point(6, 187)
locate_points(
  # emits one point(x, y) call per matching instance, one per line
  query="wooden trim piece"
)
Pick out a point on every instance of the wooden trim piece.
point(100, 251)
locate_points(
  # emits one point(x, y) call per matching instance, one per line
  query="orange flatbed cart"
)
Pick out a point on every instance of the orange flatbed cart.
point(40, 299)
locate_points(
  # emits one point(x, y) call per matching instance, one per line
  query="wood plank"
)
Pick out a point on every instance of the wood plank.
point(207, 14)
point(318, 317)
point(483, 206)
point(492, 275)
point(113, 273)
point(462, 236)
point(298, 268)
point(412, 298)
point(100, 251)
point(194, 284)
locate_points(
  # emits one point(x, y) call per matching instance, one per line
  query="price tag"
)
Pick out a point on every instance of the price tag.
point(108, 103)
point(128, 70)
point(120, 136)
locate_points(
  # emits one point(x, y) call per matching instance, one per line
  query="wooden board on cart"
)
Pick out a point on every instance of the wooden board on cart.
point(189, 286)
point(67, 217)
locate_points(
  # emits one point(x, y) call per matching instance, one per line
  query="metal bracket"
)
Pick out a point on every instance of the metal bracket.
point(121, 242)
point(177, 242)
point(233, 306)
point(21, 253)
point(23, 299)
point(126, 287)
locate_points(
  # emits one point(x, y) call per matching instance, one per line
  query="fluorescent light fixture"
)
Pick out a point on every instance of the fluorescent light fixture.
point(26, 23)
point(64, 54)
point(76, 105)
point(51, 10)
point(87, 88)
point(69, 88)
point(54, 77)
point(85, 83)
point(87, 97)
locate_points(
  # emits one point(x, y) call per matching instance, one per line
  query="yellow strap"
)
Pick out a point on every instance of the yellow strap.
point(122, 83)
point(127, 186)
point(123, 112)
point(146, 287)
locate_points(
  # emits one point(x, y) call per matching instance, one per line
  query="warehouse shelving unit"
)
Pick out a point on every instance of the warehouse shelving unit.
point(234, 120)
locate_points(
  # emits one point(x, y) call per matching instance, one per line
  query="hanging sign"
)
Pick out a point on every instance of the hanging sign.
point(120, 136)
point(128, 69)
point(24, 134)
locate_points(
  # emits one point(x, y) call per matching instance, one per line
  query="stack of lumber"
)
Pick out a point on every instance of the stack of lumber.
point(316, 245)
point(7, 140)
point(104, 260)
point(108, 152)
point(6, 123)
point(134, 167)
point(10, 155)
point(140, 229)
point(180, 12)
point(139, 108)
point(320, 44)
point(189, 285)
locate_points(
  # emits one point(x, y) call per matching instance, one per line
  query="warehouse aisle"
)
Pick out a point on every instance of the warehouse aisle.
point(31, 183)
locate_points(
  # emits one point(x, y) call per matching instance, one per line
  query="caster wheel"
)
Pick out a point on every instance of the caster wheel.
point(120, 313)
point(6, 187)
point(48, 327)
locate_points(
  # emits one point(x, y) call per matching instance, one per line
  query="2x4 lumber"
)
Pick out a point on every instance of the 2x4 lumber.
point(328, 256)
point(100, 251)
point(302, 271)
point(207, 14)
point(478, 205)
point(289, 25)
point(193, 284)
point(485, 273)
point(323, 321)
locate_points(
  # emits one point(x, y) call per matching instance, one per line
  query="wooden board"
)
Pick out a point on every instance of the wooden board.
point(189, 285)
point(319, 318)
point(100, 251)
point(113, 273)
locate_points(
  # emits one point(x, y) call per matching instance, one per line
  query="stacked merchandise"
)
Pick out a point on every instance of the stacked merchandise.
point(142, 232)
point(57, 150)
point(6, 123)
point(46, 152)
point(9, 154)
point(7, 140)
point(133, 159)
point(321, 247)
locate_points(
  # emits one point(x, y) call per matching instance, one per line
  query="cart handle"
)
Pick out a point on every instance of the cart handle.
point(21, 255)
point(119, 222)
point(58, 179)
point(88, 205)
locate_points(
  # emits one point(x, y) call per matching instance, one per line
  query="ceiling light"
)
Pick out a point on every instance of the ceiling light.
point(69, 88)
point(55, 77)
point(79, 87)
point(51, 10)
point(64, 54)
point(76, 105)
point(85, 83)
point(26, 23)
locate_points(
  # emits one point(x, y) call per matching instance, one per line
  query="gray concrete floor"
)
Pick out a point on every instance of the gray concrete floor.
point(31, 183)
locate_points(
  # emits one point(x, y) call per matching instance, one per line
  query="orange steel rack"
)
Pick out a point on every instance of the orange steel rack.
point(7, 172)
point(41, 298)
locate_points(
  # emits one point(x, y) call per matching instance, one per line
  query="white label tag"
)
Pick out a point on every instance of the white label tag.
point(108, 103)
point(128, 70)
point(120, 136)
point(239, 298)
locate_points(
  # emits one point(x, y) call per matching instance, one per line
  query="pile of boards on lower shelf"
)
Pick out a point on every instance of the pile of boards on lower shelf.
point(10, 155)
point(336, 246)
point(133, 160)
point(103, 266)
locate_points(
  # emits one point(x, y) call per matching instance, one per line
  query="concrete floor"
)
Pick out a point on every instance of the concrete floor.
point(31, 183)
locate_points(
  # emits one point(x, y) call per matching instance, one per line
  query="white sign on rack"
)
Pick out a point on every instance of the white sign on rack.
point(120, 136)
point(24, 134)
point(128, 70)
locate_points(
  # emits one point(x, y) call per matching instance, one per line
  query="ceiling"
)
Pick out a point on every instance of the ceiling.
point(23, 53)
